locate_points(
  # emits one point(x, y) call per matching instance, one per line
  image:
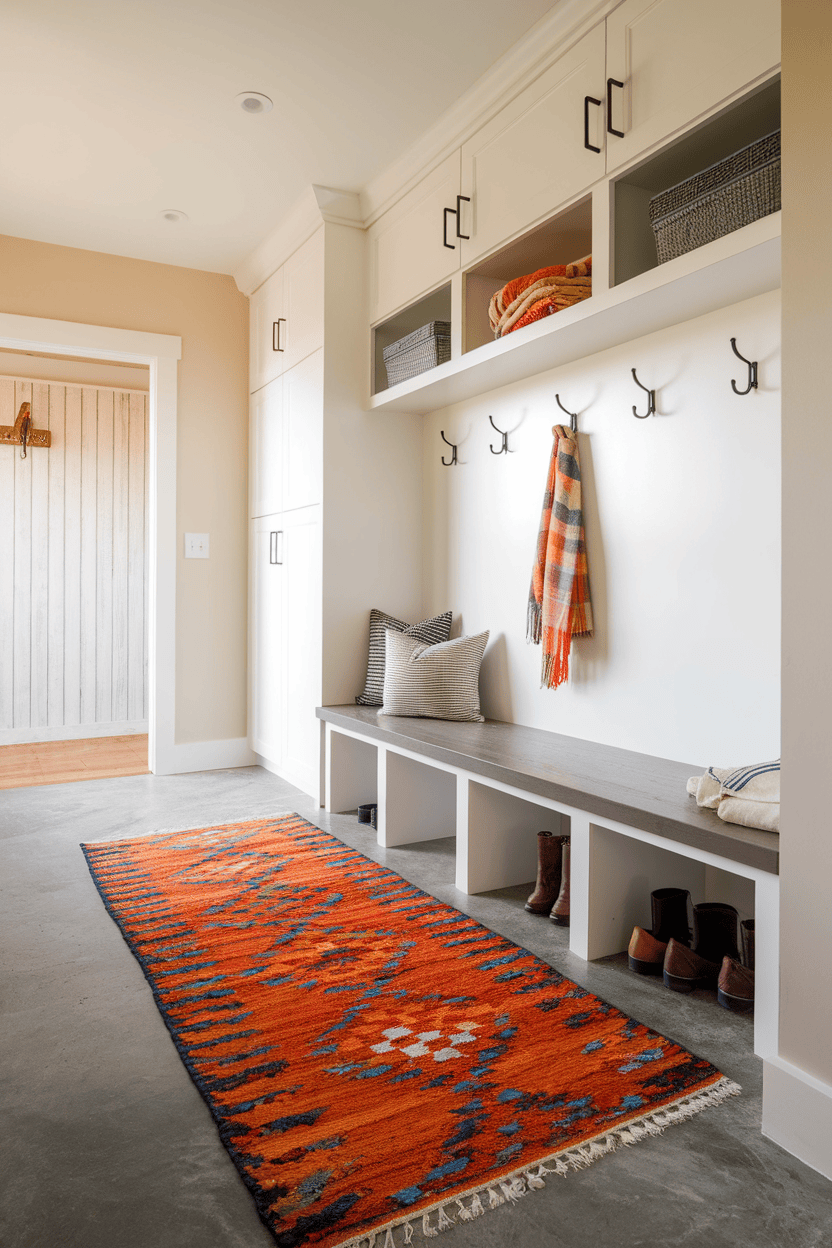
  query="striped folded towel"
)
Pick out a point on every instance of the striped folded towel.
point(749, 796)
point(526, 299)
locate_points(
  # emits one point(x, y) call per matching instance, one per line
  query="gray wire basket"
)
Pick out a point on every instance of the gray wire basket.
point(415, 353)
point(723, 198)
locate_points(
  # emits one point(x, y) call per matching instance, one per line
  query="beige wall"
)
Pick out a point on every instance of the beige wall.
point(806, 841)
point(211, 316)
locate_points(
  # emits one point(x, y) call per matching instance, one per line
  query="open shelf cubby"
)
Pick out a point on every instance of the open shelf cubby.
point(563, 238)
point(433, 307)
point(752, 118)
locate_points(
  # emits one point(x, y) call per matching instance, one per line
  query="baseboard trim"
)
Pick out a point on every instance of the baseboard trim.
point(72, 732)
point(203, 756)
point(797, 1113)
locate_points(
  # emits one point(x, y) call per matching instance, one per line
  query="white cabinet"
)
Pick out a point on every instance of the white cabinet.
point(677, 60)
point(285, 642)
point(286, 440)
point(535, 155)
point(287, 314)
point(407, 245)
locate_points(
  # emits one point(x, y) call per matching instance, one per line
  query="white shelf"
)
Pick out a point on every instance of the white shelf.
point(733, 268)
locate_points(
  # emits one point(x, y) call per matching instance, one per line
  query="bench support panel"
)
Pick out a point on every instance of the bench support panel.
point(351, 772)
point(497, 837)
point(416, 802)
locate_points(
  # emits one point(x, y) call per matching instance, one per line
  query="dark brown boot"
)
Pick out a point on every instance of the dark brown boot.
point(715, 931)
point(560, 910)
point(735, 988)
point(548, 873)
point(684, 970)
point(645, 954)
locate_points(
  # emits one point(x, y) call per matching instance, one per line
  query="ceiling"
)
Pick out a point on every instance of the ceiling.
point(114, 110)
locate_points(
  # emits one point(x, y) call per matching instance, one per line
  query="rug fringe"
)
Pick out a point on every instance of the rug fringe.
point(531, 1178)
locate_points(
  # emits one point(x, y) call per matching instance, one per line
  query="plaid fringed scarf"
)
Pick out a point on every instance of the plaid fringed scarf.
point(559, 605)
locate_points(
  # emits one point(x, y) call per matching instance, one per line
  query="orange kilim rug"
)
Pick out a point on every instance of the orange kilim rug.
point(377, 1062)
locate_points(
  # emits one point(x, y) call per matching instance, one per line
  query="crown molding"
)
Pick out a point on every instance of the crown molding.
point(526, 60)
point(318, 204)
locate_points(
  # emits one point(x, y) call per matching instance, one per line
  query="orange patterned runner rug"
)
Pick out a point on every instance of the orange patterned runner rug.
point(377, 1062)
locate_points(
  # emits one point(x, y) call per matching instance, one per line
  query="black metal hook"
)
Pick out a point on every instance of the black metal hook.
point(651, 406)
point(452, 460)
point(573, 416)
point(504, 436)
point(752, 371)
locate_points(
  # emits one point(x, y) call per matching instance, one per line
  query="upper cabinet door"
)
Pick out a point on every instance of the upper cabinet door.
point(302, 332)
point(408, 256)
point(536, 154)
point(678, 59)
point(266, 325)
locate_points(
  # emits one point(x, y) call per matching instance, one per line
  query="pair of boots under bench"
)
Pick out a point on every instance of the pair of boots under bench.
point(551, 894)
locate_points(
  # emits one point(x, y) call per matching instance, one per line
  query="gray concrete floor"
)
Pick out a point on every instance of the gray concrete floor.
point(107, 1143)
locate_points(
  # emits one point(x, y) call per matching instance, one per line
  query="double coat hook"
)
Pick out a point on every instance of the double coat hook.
point(452, 460)
point(573, 416)
point(504, 436)
point(752, 371)
point(651, 403)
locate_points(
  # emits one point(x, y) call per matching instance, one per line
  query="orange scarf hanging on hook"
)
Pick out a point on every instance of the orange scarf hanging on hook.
point(559, 605)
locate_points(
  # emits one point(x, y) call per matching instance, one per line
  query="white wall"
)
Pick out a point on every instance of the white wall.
point(73, 586)
point(682, 519)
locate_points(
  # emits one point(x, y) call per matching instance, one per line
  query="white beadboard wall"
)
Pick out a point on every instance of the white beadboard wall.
point(73, 569)
point(682, 517)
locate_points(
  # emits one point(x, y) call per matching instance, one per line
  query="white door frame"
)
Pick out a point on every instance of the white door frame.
point(160, 352)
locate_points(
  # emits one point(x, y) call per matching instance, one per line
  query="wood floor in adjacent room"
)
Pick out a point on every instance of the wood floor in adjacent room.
point(58, 762)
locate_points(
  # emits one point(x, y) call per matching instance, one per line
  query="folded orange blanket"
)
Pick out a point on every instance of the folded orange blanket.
point(560, 285)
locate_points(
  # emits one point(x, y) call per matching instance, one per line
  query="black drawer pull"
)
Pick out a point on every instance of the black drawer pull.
point(589, 99)
point(445, 242)
point(276, 333)
point(459, 200)
point(612, 82)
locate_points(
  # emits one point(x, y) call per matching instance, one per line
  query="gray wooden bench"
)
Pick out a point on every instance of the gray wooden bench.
point(494, 785)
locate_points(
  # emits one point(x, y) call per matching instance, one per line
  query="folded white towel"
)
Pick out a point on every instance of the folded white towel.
point(746, 795)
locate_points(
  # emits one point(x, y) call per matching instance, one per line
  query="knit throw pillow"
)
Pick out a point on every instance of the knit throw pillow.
point(428, 631)
point(433, 682)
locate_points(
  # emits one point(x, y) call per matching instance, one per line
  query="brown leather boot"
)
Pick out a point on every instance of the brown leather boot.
point(684, 970)
point(560, 910)
point(645, 954)
point(747, 934)
point(735, 988)
point(548, 873)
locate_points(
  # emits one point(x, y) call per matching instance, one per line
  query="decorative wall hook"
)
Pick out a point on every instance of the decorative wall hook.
point(504, 436)
point(752, 371)
point(452, 460)
point(573, 416)
point(22, 434)
point(651, 404)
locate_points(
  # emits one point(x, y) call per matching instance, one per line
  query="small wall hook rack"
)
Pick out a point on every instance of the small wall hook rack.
point(651, 403)
point(21, 432)
point(573, 416)
point(452, 460)
point(504, 436)
point(752, 371)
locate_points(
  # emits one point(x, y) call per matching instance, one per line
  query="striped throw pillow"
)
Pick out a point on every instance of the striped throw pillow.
point(429, 631)
point(433, 682)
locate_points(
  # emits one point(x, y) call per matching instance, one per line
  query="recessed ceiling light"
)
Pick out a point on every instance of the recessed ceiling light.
point(254, 102)
point(173, 215)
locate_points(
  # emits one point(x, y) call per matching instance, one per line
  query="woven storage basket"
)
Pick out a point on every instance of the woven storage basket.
point(424, 348)
point(723, 198)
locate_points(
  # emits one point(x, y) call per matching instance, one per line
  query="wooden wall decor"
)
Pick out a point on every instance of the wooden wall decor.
point(21, 432)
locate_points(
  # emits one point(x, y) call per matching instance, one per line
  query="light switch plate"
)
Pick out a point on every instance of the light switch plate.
point(196, 545)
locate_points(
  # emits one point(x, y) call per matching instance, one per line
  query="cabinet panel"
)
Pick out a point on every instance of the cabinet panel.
point(677, 60)
point(303, 301)
point(531, 157)
point(267, 658)
point(266, 457)
point(303, 412)
point(265, 310)
point(301, 632)
point(407, 253)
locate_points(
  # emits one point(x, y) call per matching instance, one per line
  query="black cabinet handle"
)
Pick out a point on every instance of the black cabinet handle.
point(589, 99)
point(445, 243)
point(612, 82)
point(273, 536)
point(276, 333)
point(459, 200)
